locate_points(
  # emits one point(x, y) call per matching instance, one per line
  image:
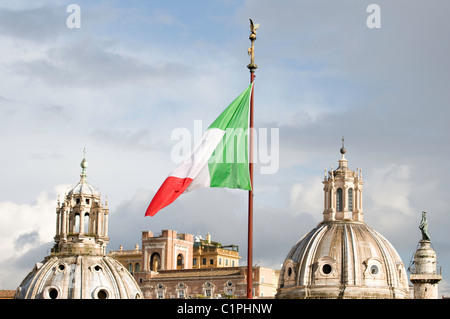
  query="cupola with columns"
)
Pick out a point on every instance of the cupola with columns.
point(343, 192)
point(81, 220)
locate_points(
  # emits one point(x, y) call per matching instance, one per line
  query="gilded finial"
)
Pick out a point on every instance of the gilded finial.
point(253, 28)
point(251, 51)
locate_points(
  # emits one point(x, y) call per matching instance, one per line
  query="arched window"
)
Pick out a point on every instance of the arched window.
point(339, 200)
point(180, 261)
point(350, 199)
point(76, 229)
point(87, 231)
point(155, 262)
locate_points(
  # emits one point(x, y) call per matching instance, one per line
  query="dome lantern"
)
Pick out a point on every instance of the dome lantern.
point(343, 192)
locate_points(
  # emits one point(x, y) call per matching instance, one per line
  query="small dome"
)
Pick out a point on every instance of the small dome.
point(83, 188)
point(343, 259)
point(79, 277)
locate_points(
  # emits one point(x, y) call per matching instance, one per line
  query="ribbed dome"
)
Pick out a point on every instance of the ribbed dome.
point(343, 259)
point(83, 188)
point(79, 277)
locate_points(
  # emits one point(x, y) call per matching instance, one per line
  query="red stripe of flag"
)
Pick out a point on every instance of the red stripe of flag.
point(167, 193)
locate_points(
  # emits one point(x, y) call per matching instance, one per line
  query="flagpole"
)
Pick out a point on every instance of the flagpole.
point(252, 67)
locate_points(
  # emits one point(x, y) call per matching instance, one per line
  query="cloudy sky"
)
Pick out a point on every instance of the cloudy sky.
point(135, 71)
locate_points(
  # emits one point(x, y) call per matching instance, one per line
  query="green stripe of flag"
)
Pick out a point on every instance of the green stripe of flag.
point(228, 166)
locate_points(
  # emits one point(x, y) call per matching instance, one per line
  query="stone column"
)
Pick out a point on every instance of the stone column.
point(425, 275)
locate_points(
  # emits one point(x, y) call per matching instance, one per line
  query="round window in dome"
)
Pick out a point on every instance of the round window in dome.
point(326, 269)
point(102, 294)
point(53, 293)
point(374, 270)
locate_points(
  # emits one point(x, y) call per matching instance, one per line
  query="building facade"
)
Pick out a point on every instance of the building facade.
point(174, 265)
point(224, 282)
point(211, 254)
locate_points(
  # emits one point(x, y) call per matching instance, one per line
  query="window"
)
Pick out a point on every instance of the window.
point(350, 199)
point(374, 269)
point(211, 261)
point(220, 261)
point(326, 269)
point(194, 262)
point(180, 261)
point(339, 198)
point(102, 294)
point(53, 293)
point(155, 262)
point(86, 223)
point(204, 261)
point(208, 292)
point(160, 294)
point(77, 223)
point(87, 201)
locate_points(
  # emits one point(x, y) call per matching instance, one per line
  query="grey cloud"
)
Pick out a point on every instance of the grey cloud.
point(91, 63)
point(37, 24)
point(26, 239)
point(140, 140)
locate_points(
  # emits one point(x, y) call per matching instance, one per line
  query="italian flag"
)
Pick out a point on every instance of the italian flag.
point(219, 160)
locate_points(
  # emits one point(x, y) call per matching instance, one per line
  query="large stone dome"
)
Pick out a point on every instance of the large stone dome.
point(79, 277)
point(342, 257)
